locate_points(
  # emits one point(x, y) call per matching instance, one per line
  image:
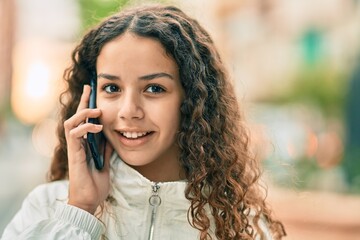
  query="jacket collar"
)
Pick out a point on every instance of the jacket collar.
point(130, 188)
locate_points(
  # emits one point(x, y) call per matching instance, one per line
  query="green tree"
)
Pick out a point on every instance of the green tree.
point(93, 11)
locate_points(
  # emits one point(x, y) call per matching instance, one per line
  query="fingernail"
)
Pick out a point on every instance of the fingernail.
point(85, 87)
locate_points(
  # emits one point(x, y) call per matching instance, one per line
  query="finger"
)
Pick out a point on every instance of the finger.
point(84, 100)
point(83, 129)
point(80, 118)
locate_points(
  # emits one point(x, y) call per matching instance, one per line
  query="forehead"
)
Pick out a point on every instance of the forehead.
point(130, 47)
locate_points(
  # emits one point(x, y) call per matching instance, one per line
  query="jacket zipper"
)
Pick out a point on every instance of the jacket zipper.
point(155, 202)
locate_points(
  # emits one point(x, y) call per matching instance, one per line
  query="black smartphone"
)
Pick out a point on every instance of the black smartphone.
point(95, 140)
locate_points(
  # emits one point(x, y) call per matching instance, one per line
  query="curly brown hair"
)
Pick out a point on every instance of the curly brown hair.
point(213, 139)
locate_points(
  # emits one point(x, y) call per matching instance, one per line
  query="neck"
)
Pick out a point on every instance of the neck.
point(162, 172)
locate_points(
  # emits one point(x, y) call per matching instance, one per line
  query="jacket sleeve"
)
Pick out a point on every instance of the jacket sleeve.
point(44, 216)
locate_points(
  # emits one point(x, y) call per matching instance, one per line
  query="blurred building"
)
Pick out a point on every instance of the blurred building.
point(7, 24)
point(36, 38)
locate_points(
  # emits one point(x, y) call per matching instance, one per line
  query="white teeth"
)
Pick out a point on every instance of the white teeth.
point(133, 134)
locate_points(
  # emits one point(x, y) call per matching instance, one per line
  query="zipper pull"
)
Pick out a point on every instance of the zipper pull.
point(155, 202)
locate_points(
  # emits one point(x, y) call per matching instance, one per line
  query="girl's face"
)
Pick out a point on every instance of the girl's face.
point(139, 94)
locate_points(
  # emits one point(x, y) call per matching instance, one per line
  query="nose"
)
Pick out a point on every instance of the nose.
point(131, 106)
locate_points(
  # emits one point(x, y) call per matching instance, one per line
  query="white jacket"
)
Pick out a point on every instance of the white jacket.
point(45, 213)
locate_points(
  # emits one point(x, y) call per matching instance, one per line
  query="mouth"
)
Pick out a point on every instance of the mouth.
point(135, 135)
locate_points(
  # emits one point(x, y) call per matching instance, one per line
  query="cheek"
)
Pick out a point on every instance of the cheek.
point(167, 115)
point(108, 113)
point(107, 119)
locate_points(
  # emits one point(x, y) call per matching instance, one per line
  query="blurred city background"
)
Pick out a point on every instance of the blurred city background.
point(296, 68)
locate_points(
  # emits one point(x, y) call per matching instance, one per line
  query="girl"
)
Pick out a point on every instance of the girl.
point(177, 164)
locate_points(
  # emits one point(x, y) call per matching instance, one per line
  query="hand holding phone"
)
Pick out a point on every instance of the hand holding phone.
point(88, 186)
point(95, 140)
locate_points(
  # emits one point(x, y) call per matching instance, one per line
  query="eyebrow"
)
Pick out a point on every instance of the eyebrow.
point(108, 76)
point(145, 77)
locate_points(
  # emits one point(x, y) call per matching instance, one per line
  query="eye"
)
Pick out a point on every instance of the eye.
point(111, 88)
point(155, 89)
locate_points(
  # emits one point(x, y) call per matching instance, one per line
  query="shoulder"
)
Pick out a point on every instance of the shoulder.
point(48, 193)
point(40, 204)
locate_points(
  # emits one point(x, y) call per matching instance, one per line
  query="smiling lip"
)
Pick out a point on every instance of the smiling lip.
point(134, 140)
